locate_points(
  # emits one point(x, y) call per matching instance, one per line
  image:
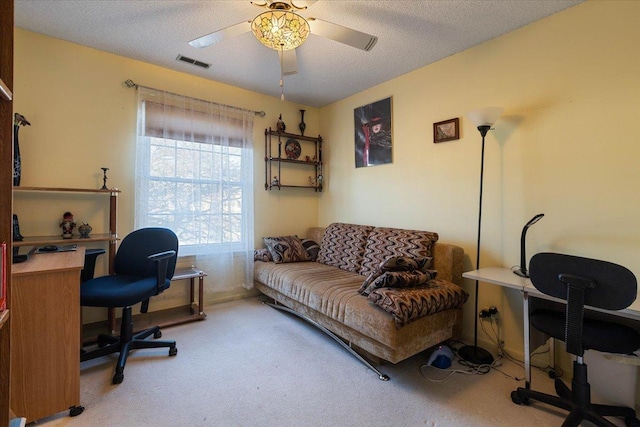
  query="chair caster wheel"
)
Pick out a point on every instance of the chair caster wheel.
point(173, 351)
point(74, 411)
point(519, 400)
point(157, 334)
point(105, 340)
point(118, 378)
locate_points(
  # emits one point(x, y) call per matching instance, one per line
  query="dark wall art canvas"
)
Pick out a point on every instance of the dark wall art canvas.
point(373, 137)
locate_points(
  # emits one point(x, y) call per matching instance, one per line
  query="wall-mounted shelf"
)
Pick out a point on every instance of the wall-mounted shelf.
point(278, 164)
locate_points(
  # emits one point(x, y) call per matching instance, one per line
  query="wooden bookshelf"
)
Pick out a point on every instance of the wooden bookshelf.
point(6, 180)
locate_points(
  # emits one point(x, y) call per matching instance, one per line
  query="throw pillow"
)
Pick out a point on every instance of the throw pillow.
point(286, 249)
point(409, 304)
point(397, 263)
point(312, 248)
point(399, 279)
point(405, 263)
point(385, 242)
point(262, 255)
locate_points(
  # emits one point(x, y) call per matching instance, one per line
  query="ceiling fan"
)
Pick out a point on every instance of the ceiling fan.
point(283, 29)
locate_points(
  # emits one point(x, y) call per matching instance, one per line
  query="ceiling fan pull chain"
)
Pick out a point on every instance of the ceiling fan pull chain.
point(281, 72)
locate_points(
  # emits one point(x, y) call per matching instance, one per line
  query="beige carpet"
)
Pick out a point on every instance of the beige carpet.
point(250, 365)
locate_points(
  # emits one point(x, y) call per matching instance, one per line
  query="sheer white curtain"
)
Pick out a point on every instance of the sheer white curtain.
point(194, 175)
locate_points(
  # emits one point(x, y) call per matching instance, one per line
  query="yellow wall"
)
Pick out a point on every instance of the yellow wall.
point(84, 118)
point(567, 146)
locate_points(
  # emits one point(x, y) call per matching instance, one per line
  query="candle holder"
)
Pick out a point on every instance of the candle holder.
point(104, 179)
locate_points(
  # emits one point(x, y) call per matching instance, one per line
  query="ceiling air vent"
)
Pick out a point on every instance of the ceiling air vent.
point(193, 61)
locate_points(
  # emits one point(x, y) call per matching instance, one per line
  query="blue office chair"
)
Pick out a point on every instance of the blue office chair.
point(143, 266)
point(582, 281)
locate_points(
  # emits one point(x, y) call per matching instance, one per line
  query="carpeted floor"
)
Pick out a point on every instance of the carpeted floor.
point(250, 365)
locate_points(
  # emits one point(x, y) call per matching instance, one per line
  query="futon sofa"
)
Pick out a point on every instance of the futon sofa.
point(383, 293)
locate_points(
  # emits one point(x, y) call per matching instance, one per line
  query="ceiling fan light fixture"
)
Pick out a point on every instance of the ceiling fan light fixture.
point(280, 30)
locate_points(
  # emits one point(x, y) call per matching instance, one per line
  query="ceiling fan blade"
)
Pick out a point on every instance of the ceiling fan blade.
point(289, 61)
point(225, 33)
point(302, 4)
point(342, 34)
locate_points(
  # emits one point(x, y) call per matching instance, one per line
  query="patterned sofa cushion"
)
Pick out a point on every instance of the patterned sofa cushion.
point(397, 263)
point(409, 304)
point(384, 242)
point(286, 249)
point(343, 246)
point(312, 248)
point(398, 279)
point(262, 254)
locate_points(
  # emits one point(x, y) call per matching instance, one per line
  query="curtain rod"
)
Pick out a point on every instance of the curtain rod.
point(130, 83)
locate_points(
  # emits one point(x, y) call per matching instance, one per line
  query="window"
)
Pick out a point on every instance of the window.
point(194, 172)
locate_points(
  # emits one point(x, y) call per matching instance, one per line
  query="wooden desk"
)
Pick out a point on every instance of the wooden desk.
point(45, 335)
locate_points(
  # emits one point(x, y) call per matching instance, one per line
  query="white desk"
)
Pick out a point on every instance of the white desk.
point(508, 279)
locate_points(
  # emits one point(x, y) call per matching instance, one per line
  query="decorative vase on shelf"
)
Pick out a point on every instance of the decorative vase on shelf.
point(280, 126)
point(84, 230)
point(302, 124)
point(18, 120)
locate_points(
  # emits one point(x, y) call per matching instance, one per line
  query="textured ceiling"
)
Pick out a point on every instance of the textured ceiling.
point(411, 35)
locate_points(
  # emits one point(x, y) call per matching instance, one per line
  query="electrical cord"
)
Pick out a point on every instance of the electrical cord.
point(474, 369)
point(471, 368)
point(558, 372)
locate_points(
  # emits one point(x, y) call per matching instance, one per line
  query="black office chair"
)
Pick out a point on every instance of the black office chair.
point(144, 265)
point(582, 281)
point(90, 257)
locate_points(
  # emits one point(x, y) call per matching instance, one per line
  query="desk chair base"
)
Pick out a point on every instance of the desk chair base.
point(126, 342)
point(577, 401)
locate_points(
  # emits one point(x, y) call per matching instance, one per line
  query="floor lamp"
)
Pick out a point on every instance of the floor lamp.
point(483, 118)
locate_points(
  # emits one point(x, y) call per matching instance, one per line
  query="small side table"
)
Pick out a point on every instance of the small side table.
point(197, 310)
point(162, 318)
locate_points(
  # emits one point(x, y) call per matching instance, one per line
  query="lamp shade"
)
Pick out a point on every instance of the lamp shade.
point(485, 116)
point(280, 30)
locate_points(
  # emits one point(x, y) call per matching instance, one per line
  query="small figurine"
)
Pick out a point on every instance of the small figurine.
point(275, 182)
point(280, 126)
point(67, 225)
point(18, 120)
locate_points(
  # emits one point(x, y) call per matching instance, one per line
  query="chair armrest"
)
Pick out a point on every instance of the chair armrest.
point(162, 260)
point(161, 255)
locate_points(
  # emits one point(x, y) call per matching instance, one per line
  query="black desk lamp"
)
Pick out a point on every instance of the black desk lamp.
point(522, 271)
point(483, 118)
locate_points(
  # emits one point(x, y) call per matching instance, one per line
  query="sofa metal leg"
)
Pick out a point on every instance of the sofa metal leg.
point(381, 376)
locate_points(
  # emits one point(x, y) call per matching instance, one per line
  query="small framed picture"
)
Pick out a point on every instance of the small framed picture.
point(447, 130)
